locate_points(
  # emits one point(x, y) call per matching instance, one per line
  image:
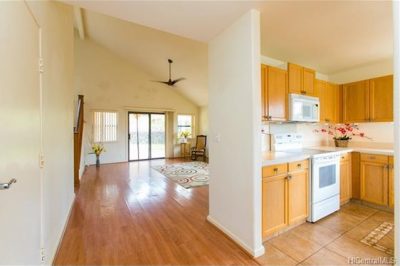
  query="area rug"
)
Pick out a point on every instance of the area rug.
point(188, 175)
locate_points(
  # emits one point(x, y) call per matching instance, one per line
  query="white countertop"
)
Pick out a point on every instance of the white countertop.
point(272, 158)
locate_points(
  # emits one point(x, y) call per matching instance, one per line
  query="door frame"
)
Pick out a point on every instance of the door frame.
point(165, 135)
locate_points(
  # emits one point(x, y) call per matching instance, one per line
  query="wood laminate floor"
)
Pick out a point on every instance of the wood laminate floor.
point(129, 214)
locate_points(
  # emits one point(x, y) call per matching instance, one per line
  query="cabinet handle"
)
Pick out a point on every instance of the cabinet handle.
point(275, 170)
point(298, 165)
point(289, 177)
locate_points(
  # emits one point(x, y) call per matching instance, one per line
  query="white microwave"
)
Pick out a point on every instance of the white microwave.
point(303, 108)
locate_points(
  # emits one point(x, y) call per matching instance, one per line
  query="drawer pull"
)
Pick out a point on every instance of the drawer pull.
point(275, 169)
point(372, 157)
point(299, 165)
point(289, 177)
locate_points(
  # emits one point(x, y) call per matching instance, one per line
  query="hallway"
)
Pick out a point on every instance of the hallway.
point(128, 213)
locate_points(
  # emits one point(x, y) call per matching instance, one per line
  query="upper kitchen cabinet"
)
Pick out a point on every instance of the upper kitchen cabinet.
point(274, 93)
point(301, 79)
point(356, 102)
point(381, 99)
point(328, 94)
point(368, 100)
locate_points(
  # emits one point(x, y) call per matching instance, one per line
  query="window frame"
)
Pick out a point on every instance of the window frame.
point(193, 135)
point(116, 126)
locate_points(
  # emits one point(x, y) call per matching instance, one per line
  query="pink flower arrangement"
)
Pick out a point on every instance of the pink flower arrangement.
point(342, 131)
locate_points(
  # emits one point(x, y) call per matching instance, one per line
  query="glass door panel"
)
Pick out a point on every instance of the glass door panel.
point(157, 135)
point(146, 136)
point(144, 130)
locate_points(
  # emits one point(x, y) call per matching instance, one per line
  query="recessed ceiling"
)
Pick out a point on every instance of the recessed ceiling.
point(329, 36)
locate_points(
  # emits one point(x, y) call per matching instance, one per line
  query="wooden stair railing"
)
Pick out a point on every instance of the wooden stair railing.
point(78, 134)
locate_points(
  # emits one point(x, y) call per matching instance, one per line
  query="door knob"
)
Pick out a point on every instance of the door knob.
point(7, 185)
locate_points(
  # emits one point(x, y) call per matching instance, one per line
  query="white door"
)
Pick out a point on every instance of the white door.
point(19, 135)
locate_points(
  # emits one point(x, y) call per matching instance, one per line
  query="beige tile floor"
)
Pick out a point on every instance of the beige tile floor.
point(333, 240)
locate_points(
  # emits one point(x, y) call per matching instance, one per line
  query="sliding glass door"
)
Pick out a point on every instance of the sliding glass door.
point(146, 135)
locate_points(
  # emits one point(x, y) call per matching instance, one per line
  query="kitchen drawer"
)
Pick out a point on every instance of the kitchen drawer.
point(345, 157)
point(274, 170)
point(374, 158)
point(294, 166)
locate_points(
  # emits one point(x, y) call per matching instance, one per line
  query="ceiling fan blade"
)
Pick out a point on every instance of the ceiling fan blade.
point(164, 82)
point(177, 80)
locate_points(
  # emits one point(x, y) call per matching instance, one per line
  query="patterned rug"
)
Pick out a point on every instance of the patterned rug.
point(191, 174)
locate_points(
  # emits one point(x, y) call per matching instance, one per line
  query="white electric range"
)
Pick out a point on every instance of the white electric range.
point(324, 175)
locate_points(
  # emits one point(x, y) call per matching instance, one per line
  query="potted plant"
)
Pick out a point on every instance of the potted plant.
point(184, 136)
point(342, 133)
point(98, 149)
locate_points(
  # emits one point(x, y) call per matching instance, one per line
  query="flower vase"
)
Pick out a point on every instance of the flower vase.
point(97, 160)
point(341, 143)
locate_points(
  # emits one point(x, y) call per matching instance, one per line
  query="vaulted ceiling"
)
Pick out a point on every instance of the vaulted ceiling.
point(329, 36)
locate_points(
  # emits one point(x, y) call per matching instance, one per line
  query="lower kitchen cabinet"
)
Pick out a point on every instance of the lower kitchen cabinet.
point(374, 179)
point(345, 178)
point(391, 182)
point(297, 196)
point(284, 196)
point(274, 194)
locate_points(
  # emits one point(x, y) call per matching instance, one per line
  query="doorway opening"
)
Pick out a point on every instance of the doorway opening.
point(146, 136)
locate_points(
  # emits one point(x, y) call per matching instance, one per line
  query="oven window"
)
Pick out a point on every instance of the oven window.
point(327, 176)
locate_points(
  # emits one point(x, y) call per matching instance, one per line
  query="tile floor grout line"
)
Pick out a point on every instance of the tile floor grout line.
point(285, 253)
point(340, 235)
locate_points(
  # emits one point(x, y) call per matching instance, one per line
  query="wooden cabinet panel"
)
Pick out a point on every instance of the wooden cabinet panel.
point(374, 182)
point(345, 179)
point(377, 158)
point(276, 93)
point(355, 174)
point(356, 102)
point(381, 99)
point(295, 73)
point(264, 111)
point(391, 182)
point(272, 170)
point(297, 196)
point(299, 165)
point(274, 194)
point(308, 81)
point(328, 94)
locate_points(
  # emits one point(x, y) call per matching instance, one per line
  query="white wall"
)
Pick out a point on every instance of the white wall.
point(234, 108)
point(203, 120)
point(56, 22)
point(109, 82)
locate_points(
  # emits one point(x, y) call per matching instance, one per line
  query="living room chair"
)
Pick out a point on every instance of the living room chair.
point(200, 149)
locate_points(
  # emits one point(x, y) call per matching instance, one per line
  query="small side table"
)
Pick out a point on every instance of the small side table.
point(184, 149)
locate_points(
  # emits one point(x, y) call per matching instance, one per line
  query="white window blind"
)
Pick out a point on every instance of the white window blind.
point(105, 126)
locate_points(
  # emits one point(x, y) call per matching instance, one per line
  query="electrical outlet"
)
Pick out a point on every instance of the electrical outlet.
point(42, 255)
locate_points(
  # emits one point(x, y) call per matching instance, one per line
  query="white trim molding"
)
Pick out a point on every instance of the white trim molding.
point(253, 252)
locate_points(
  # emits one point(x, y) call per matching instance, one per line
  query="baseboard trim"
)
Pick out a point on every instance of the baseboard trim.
point(54, 255)
point(254, 253)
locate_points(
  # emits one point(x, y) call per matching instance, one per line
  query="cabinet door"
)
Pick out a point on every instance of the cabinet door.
point(295, 73)
point(263, 92)
point(308, 81)
point(374, 182)
point(381, 99)
point(298, 196)
point(356, 102)
point(333, 103)
point(391, 183)
point(320, 90)
point(345, 181)
point(274, 202)
point(276, 93)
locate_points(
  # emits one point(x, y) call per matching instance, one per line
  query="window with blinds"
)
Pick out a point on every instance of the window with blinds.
point(105, 126)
